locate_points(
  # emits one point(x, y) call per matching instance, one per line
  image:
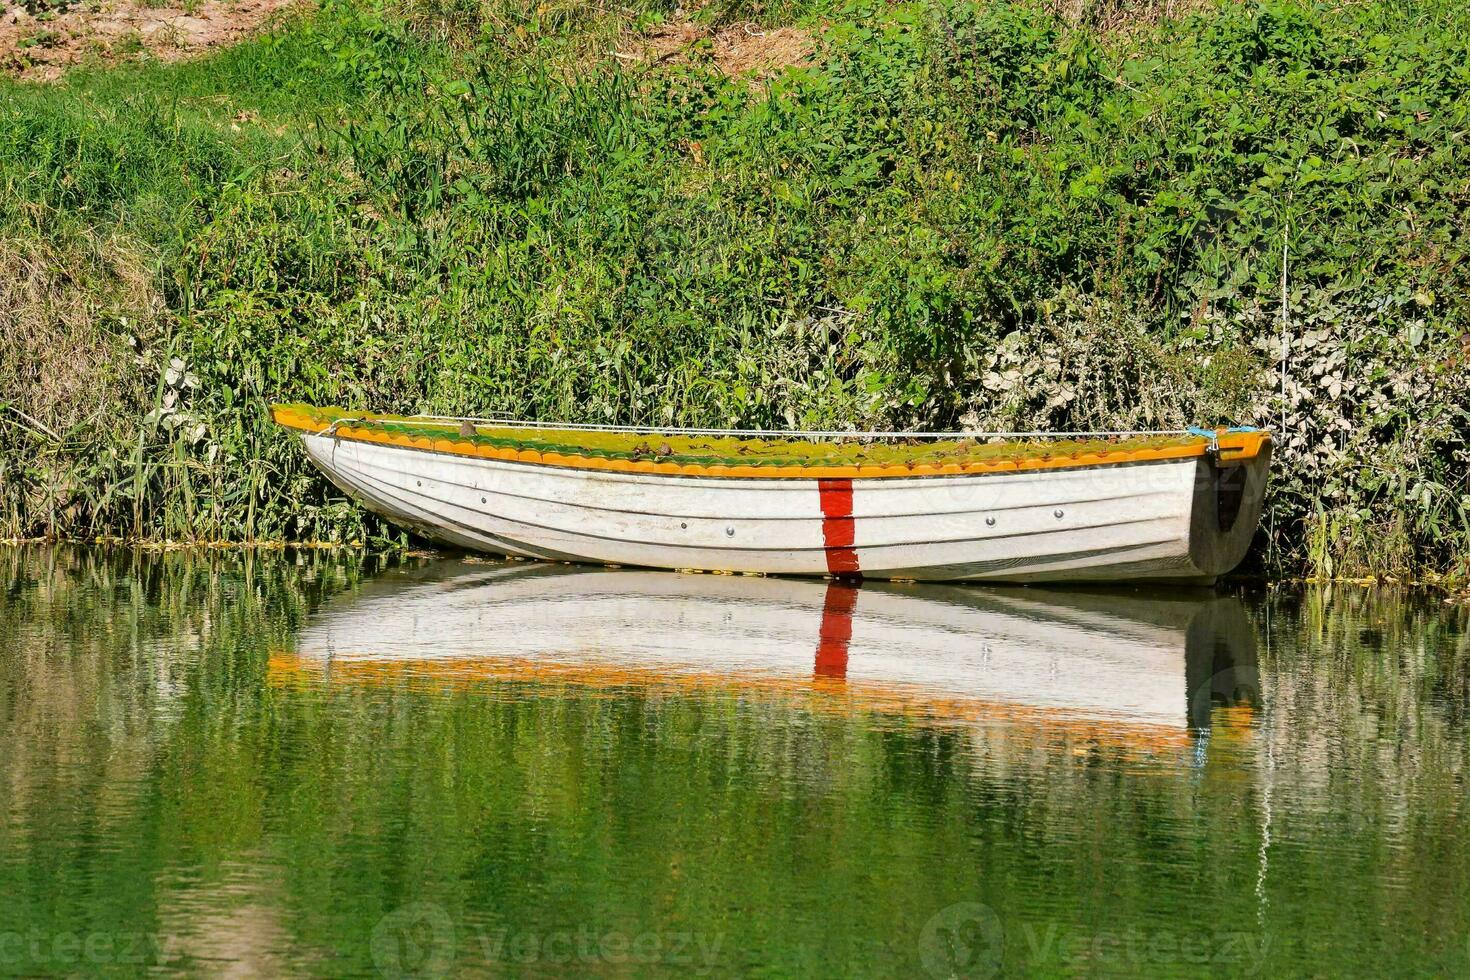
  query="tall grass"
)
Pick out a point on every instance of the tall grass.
point(1000, 214)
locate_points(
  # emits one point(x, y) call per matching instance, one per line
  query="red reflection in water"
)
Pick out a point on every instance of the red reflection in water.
point(835, 632)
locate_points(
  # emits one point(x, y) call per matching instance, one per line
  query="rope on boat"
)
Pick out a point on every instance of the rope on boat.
point(791, 433)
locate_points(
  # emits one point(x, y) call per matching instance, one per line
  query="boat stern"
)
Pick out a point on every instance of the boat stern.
point(1229, 494)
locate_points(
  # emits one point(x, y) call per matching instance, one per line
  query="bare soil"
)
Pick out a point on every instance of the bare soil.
point(42, 48)
point(737, 50)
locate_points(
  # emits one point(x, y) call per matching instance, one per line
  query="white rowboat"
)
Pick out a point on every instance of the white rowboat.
point(1177, 507)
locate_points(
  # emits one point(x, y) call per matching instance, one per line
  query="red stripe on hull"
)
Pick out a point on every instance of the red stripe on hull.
point(837, 528)
point(835, 633)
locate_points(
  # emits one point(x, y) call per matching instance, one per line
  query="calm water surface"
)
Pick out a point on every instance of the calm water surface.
point(326, 765)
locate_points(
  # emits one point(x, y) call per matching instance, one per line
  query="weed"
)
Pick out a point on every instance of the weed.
point(128, 45)
point(39, 38)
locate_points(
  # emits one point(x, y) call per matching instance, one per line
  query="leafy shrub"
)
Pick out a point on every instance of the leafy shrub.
point(962, 213)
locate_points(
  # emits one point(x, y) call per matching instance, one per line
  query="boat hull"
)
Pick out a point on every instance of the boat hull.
point(1162, 520)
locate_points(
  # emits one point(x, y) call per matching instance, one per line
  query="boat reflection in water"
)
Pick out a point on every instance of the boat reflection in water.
point(1141, 669)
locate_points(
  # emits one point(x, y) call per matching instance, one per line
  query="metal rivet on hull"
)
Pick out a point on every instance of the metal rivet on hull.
point(1057, 513)
point(730, 531)
point(990, 522)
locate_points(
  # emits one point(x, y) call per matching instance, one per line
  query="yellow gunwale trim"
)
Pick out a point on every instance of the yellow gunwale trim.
point(1233, 447)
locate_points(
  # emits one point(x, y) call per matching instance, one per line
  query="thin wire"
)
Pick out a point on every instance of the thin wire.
point(1263, 855)
point(798, 433)
point(1285, 321)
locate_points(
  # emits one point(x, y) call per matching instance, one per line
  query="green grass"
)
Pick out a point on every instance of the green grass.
point(953, 214)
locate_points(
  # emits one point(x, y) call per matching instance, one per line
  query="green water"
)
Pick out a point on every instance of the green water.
point(313, 764)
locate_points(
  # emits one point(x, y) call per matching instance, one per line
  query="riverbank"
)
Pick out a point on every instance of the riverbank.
point(811, 214)
point(1452, 590)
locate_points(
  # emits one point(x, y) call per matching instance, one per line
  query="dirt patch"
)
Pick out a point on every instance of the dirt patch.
point(1125, 16)
point(42, 48)
point(744, 50)
point(737, 50)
